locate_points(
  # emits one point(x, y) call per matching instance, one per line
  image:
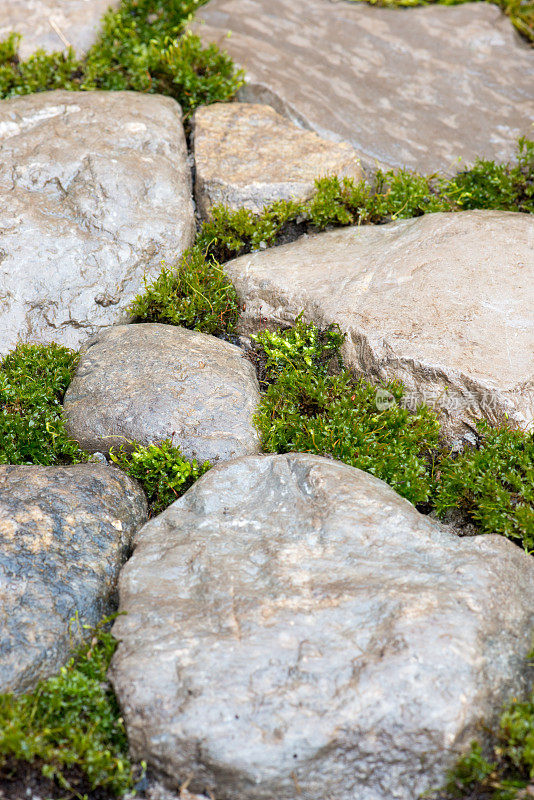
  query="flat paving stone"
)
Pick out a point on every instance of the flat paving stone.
point(247, 155)
point(416, 88)
point(442, 302)
point(95, 191)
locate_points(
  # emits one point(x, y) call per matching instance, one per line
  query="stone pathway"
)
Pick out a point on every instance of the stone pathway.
point(294, 628)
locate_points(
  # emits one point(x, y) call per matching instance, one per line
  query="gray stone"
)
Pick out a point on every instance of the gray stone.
point(444, 302)
point(152, 382)
point(416, 87)
point(53, 24)
point(95, 191)
point(294, 628)
point(64, 534)
point(247, 156)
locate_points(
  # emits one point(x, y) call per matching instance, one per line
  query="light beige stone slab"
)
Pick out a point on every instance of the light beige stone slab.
point(444, 302)
point(291, 621)
point(247, 155)
point(95, 191)
point(53, 24)
point(416, 87)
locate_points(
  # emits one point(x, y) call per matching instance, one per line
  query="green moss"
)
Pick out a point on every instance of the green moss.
point(161, 469)
point(196, 294)
point(143, 47)
point(33, 380)
point(69, 727)
point(307, 410)
point(521, 12)
point(493, 483)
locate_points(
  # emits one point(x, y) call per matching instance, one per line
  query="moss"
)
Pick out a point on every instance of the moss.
point(33, 381)
point(143, 46)
point(69, 728)
point(161, 469)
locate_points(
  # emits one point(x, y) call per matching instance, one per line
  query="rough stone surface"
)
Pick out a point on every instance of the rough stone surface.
point(248, 155)
point(64, 534)
point(292, 622)
point(416, 88)
point(53, 24)
point(95, 190)
point(152, 382)
point(444, 302)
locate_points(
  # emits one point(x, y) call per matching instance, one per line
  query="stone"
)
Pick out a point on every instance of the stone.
point(416, 88)
point(95, 190)
point(443, 302)
point(53, 24)
point(295, 628)
point(247, 156)
point(64, 534)
point(150, 382)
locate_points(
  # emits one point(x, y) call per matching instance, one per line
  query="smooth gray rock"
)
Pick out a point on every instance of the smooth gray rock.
point(53, 24)
point(417, 88)
point(151, 382)
point(294, 628)
point(247, 156)
point(64, 534)
point(444, 303)
point(95, 190)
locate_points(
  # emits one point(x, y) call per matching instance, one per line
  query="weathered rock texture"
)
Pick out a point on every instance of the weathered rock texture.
point(94, 192)
point(64, 534)
point(444, 302)
point(152, 382)
point(291, 621)
point(53, 24)
point(248, 155)
point(416, 87)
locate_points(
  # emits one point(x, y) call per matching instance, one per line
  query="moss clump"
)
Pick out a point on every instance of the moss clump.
point(305, 409)
point(33, 381)
point(196, 295)
point(493, 483)
point(143, 47)
point(161, 469)
point(69, 728)
point(521, 12)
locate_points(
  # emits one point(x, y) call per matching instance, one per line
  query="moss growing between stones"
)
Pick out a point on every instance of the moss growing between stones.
point(33, 381)
point(493, 483)
point(161, 470)
point(68, 733)
point(521, 12)
point(142, 47)
point(195, 295)
point(306, 410)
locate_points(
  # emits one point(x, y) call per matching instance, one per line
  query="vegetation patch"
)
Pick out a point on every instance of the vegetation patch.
point(196, 294)
point(493, 483)
point(143, 46)
point(521, 12)
point(161, 469)
point(33, 381)
point(69, 729)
